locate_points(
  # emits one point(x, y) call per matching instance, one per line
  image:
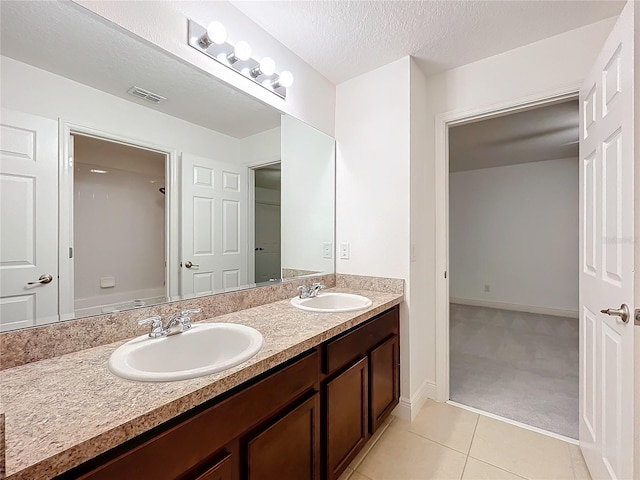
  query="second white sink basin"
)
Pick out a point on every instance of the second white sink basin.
point(203, 349)
point(332, 302)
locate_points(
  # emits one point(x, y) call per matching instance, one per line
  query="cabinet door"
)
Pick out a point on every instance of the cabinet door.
point(289, 448)
point(222, 470)
point(346, 422)
point(384, 381)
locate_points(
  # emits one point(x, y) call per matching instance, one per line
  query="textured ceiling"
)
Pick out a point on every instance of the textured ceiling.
point(78, 45)
point(343, 39)
point(545, 133)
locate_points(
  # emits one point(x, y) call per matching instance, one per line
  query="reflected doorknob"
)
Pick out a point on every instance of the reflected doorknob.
point(190, 265)
point(44, 279)
point(622, 312)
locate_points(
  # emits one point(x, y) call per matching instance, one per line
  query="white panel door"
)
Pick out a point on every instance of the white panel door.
point(607, 256)
point(214, 226)
point(28, 220)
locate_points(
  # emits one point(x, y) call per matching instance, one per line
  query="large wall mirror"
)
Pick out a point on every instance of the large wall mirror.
point(130, 178)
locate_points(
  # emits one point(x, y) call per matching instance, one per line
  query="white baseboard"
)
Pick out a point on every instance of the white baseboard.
point(408, 408)
point(556, 312)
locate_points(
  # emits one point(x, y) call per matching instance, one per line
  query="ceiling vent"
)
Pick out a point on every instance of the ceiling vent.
point(146, 95)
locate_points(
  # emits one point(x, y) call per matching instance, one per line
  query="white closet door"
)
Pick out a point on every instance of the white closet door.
point(28, 220)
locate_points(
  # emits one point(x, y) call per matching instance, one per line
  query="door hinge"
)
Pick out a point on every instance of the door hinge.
point(636, 317)
point(70, 252)
point(445, 274)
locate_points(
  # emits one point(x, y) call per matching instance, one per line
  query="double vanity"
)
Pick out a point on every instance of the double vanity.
point(320, 384)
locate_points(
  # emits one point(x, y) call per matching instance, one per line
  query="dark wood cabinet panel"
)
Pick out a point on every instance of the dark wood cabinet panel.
point(347, 409)
point(290, 448)
point(348, 347)
point(222, 470)
point(383, 381)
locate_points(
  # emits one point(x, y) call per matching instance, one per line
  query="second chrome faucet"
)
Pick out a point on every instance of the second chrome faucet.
point(178, 324)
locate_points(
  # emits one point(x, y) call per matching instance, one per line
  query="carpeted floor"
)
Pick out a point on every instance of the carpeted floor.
point(522, 366)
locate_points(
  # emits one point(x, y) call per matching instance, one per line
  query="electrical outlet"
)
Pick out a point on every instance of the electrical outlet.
point(344, 251)
point(487, 288)
point(327, 250)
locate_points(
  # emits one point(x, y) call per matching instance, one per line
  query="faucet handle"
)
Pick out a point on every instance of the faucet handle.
point(190, 311)
point(155, 320)
point(157, 330)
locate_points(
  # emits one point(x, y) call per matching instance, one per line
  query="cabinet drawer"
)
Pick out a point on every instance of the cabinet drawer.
point(183, 447)
point(359, 341)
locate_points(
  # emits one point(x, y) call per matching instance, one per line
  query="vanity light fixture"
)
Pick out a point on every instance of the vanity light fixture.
point(212, 41)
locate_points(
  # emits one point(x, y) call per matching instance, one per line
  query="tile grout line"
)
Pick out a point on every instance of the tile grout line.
point(470, 443)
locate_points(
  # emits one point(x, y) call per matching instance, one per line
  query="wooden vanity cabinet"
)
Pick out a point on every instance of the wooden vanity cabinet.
point(360, 387)
point(304, 420)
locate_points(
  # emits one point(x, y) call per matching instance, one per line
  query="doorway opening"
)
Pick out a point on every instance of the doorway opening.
point(119, 225)
point(513, 208)
point(267, 228)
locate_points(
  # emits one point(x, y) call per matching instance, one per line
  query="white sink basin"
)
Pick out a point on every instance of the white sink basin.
point(205, 348)
point(332, 302)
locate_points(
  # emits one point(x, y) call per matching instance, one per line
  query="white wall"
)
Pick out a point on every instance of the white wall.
point(32, 90)
point(121, 200)
point(307, 196)
point(311, 98)
point(421, 261)
point(526, 72)
point(372, 184)
point(515, 228)
point(261, 148)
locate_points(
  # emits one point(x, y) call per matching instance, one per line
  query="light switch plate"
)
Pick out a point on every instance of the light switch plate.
point(107, 282)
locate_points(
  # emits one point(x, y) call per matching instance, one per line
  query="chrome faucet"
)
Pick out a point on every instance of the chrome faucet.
point(309, 292)
point(176, 325)
point(181, 323)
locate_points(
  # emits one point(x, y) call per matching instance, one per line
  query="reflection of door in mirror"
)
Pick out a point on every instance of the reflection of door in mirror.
point(118, 225)
point(267, 222)
point(28, 220)
point(214, 226)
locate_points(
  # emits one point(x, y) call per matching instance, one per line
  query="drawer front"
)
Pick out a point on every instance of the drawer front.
point(186, 445)
point(355, 343)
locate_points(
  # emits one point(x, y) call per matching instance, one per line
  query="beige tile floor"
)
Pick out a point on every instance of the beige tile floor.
point(448, 442)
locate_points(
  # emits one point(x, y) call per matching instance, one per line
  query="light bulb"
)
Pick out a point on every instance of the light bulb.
point(217, 33)
point(222, 58)
point(286, 79)
point(242, 50)
point(267, 66)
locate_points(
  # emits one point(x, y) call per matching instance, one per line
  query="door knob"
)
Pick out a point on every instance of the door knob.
point(190, 265)
point(44, 279)
point(622, 312)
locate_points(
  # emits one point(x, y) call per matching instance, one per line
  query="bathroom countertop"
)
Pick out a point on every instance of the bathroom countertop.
point(65, 410)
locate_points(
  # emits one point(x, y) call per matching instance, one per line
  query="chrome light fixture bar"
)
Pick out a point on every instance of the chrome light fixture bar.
point(212, 41)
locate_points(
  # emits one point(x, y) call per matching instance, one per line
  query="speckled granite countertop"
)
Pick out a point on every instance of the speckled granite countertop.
point(65, 410)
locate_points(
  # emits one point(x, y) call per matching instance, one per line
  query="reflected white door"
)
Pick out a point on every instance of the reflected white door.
point(28, 220)
point(214, 226)
point(607, 256)
point(267, 242)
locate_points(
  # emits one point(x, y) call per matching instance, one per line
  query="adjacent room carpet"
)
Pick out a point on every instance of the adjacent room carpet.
point(522, 366)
